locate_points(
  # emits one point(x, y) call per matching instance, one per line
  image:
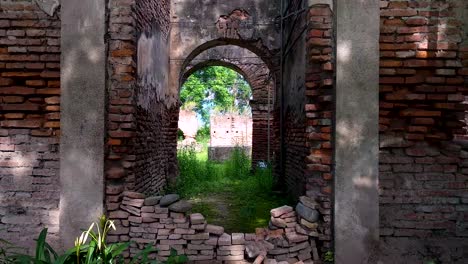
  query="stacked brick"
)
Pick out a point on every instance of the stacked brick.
point(423, 83)
point(319, 112)
point(164, 221)
point(29, 121)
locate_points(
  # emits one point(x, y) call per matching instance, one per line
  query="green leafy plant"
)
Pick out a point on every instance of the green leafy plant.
point(6, 250)
point(90, 248)
point(329, 257)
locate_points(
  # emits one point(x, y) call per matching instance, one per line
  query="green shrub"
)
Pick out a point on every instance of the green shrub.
point(203, 134)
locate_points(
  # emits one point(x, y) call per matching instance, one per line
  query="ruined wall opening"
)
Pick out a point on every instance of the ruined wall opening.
point(227, 178)
point(256, 71)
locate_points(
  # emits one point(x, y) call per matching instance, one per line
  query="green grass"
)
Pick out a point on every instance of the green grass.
point(228, 193)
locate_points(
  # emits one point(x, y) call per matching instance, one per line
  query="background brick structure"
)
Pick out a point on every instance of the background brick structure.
point(423, 83)
point(29, 121)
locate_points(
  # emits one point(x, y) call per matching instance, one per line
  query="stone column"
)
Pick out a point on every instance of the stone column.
point(356, 212)
point(83, 76)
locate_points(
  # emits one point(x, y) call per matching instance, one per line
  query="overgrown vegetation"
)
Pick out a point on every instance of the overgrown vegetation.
point(228, 193)
point(215, 88)
point(90, 248)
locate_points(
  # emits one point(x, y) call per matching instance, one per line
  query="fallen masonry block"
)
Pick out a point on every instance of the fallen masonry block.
point(200, 227)
point(153, 200)
point(259, 259)
point(230, 258)
point(131, 210)
point(233, 248)
point(238, 239)
point(147, 209)
point(224, 240)
point(196, 219)
point(201, 236)
point(307, 213)
point(133, 195)
point(199, 247)
point(133, 202)
point(212, 241)
point(215, 230)
point(277, 212)
point(169, 199)
point(278, 222)
point(181, 206)
point(309, 202)
point(296, 238)
point(309, 224)
point(161, 210)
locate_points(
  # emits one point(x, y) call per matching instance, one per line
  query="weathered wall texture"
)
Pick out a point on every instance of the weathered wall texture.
point(292, 98)
point(319, 114)
point(142, 138)
point(307, 96)
point(423, 82)
point(29, 121)
point(156, 139)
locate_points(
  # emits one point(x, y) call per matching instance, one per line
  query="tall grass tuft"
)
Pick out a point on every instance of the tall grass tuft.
point(238, 165)
point(249, 195)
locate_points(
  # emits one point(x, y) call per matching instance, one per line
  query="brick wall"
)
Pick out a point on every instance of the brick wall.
point(29, 121)
point(156, 138)
point(141, 134)
point(120, 155)
point(423, 180)
point(319, 114)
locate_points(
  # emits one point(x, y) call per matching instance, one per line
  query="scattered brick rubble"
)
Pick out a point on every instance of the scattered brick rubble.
point(166, 222)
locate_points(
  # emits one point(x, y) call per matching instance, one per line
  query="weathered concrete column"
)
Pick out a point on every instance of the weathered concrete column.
point(82, 116)
point(356, 213)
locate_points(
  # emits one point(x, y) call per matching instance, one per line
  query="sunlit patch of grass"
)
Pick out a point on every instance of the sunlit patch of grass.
point(246, 197)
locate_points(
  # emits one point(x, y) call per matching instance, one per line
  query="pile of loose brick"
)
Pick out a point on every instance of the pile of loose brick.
point(165, 222)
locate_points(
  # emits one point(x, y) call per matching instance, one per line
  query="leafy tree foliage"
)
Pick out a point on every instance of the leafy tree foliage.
point(217, 89)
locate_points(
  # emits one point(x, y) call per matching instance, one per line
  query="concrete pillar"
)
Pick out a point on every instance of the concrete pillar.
point(83, 89)
point(356, 212)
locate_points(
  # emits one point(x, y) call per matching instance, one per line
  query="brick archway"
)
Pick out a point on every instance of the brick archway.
point(262, 82)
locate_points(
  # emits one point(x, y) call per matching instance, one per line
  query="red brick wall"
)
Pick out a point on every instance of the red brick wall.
point(120, 155)
point(29, 121)
point(423, 82)
point(141, 141)
point(319, 113)
point(156, 138)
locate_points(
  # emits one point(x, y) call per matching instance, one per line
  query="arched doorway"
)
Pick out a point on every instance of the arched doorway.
point(262, 80)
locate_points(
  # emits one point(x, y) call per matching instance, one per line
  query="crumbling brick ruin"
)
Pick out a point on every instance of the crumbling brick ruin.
point(359, 105)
